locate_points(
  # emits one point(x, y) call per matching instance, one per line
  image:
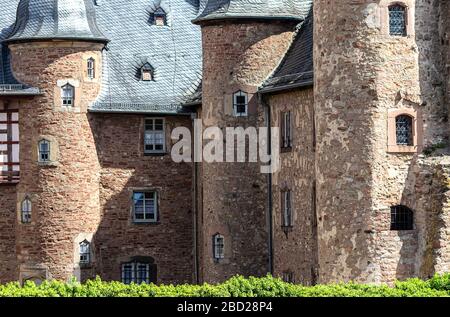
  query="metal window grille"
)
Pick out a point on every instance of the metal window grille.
point(287, 209)
point(240, 104)
point(91, 68)
point(135, 272)
point(85, 252)
point(128, 275)
point(44, 151)
point(26, 210)
point(218, 246)
point(404, 130)
point(397, 20)
point(402, 218)
point(154, 139)
point(142, 273)
point(68, 95)
point(145, 207)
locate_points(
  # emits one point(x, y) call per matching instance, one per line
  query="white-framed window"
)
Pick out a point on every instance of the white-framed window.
point(91, 68)
point(25, 210)
point(145, 207)
point(286, 130)
point(44, 151)
point(240, 104)
point(85, 252)
point(218, 246)
point(286, 208)
point(68, 95)
point(154, 138)
point(135, 272)
point(147, 72)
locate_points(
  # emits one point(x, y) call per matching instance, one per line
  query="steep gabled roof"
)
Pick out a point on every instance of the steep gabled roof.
point(248, 9)
point(296, 69)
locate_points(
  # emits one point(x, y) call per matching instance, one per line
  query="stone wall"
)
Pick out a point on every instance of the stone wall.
point(8, 264)
point(237, 57)
point(124, 168)
point(295, 250)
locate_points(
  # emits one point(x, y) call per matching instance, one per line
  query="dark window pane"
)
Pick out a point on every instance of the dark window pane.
point(404, 132)
point(397, 20)
point(402, 218)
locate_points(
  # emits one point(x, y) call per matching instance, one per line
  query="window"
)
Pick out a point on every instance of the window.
point(85, 252)
point(68, 95)
point(404, 130)
point(240, 104)
point(286, 130)
point(286, 207)
point(402, 218)
point(154, 138)
point(158, 18)
point(218, 246)
point(26, 210)
point(397, 20)
point(147, 72)
point(138, 272)
point(288, 277)
point(91, 68)
point(9, 145)
point(145, 207)
point(44, 151)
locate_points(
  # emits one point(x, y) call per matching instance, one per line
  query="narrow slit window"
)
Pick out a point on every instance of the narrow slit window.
point(286, 206)
point(218, 246)
point(240, 104)
point(44, 151)
point(68, 95)
point(404, 130)
point(402, 218)
point(26, 210)
point(85, 252)
point(397, 20)
point(91, 68)
point(286, 130)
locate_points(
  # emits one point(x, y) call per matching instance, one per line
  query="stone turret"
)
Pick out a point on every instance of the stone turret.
point(243, 42)
point(56, 46)
point(370, 74)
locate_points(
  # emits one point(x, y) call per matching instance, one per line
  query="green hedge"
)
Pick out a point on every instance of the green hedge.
point(235, 287)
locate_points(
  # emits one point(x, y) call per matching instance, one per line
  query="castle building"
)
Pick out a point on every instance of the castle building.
point(91, 90)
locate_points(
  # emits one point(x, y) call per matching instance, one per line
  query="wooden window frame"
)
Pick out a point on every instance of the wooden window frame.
point(155, 219)
point(12, 173)
point(155, 133)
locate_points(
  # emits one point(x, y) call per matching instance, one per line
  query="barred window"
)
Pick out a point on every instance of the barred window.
point(145, 207)
point(240, 104)
point(26, 210)
point(404, 130)
point(218, 246)
point(402, 218)
point(44, 150)
point(136, 272)
point(286, 130)
point(397, 20)
point(85, 252)
point(154, 136)
point(286, 207)
point(68, 95)
point(91, 68)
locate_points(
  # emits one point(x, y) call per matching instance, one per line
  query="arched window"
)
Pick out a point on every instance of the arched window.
point(402, 218)
point(240, 104)
point(25, 210)
point(404, 130)
point(91, 68)
point(397, 20)
point(85, 252)
point(68, 95)
point(158, 18)
point(147, 72)
point(218, 246)
point(44, 150)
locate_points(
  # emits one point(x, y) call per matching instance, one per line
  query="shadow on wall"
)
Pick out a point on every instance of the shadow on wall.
point(166, 245)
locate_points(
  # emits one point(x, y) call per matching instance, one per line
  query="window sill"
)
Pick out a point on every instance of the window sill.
point(150, 223)
point(48, 164)
point(403, 149)
point(156, 154)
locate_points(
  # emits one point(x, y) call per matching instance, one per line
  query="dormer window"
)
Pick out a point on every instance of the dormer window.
point(147, 72)
point(68, 95)
point(158, 17)
point(91, 68)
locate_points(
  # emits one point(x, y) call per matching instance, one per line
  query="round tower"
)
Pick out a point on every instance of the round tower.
point(57, 47)
point(376, 111)
point(243, 42)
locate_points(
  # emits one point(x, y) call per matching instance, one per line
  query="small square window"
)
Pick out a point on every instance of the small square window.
point(145, 207)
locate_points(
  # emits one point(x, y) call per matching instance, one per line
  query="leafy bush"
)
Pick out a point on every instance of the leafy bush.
point(237, 286)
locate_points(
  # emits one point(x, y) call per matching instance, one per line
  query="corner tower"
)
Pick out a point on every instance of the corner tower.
point(243, 42)
point(379, 101)
point(56, 46)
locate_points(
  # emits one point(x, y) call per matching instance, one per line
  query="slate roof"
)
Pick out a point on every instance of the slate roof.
point(296, 68)
point(263, 9)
